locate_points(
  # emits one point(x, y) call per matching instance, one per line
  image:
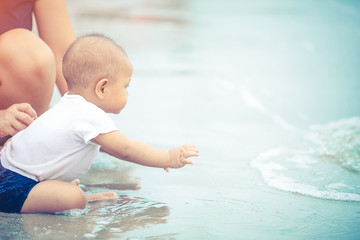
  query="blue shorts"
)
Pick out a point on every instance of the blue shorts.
point(14, 189)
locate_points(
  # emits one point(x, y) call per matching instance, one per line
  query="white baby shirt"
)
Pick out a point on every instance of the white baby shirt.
point(58, 145)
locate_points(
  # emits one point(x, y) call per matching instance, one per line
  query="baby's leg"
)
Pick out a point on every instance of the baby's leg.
point(54, 196)
point(92, 197)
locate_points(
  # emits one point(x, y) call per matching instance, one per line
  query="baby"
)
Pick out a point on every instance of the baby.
point(39, 162)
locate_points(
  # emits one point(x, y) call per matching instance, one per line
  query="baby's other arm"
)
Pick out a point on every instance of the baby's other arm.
point(120, 146)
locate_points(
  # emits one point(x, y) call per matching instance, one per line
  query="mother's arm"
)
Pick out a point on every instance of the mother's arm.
point(55, 29)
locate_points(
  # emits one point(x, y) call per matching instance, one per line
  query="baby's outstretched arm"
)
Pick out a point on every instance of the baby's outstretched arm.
point(120, 146)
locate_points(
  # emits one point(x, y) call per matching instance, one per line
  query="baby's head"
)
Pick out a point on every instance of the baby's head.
point(98, 69)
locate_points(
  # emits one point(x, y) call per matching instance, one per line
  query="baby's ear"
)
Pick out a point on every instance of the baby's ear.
point(100, 87)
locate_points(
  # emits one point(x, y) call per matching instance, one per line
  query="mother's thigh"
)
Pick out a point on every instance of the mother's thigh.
point(27, 70)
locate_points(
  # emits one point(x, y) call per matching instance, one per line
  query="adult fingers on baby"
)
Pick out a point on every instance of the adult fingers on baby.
point(9, 131)
point(15, 128)
point(26, 108)
point(25, 118)
point(18, 125)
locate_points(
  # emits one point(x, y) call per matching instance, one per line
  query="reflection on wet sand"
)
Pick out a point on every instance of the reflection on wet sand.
point(115, 179)
point(103, 220)
point(128, 214)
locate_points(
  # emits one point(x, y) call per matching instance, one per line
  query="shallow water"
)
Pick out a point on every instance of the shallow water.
point(267, 90)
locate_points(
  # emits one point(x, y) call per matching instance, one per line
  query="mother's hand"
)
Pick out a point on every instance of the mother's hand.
point(16, 118)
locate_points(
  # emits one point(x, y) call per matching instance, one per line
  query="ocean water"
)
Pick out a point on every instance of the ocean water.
point(268, 90)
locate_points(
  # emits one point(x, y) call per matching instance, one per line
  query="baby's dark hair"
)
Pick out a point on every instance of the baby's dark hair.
point(91, 57)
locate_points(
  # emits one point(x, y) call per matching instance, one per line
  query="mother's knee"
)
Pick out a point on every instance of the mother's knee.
point(29, 58)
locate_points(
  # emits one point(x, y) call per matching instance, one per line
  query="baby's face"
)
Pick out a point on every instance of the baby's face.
point(117, 91)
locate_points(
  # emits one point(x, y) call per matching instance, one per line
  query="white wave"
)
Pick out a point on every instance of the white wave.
point(319, 168)
point(278, 176)
point(337, 142)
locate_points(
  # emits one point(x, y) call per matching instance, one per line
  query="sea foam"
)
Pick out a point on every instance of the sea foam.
point(326, 165)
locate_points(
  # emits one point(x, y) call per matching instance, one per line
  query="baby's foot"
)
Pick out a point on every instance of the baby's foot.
point(93, 197)
point(76, 182)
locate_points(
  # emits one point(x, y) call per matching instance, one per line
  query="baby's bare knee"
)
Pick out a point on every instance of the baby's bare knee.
point(78, 199)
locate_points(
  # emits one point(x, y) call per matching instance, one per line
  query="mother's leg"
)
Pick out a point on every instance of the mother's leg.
point(27, 70)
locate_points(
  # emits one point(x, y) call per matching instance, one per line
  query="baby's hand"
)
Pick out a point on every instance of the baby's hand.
point(179, 156)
